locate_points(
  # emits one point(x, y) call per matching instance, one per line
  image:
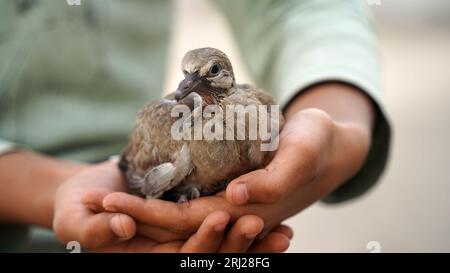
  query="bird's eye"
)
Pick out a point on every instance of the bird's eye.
point(214, 70)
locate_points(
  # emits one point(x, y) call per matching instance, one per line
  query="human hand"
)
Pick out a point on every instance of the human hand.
point(212, 236)
point(78, 218)
point(317, 153)
point(87, 223)
point(312, 160)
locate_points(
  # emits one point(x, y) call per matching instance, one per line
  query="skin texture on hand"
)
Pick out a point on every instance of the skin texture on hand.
point(79, 217)
point(73, 221)
point(55, 193)
point(323, 143)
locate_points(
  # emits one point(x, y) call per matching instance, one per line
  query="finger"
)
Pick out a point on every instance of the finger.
point(160, 235)
point(106, 228)
point(177, 218)
point(163, 235)
point(151, 212)
point(242, 234)
point(286, 230)
point(93, 198)
point(210, 234)
point(140, 244)
point(274, 242)
point(269, 185)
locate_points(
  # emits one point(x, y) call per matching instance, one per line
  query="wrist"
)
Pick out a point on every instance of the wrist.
point(57, 173)
point(350, 146)
point(351, 115)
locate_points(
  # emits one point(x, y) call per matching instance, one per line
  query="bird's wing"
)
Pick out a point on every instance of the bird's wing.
point(168, 175)
point(151, 131)
point(151, 144)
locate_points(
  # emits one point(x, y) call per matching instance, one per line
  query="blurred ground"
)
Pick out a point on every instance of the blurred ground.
point(409, 210)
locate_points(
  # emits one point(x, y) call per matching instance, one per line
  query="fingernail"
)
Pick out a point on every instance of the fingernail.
point(240, 194)
point(220, 227)
point(117, 227)
point(251, 236)
point(110, 208)
point(91, 206)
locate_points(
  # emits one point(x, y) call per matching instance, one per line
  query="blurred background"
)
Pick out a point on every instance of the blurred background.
point(409, 209)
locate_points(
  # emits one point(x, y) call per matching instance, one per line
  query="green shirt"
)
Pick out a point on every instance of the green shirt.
point(72, 78)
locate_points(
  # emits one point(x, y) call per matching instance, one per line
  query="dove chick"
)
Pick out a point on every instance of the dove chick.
point(157, 165)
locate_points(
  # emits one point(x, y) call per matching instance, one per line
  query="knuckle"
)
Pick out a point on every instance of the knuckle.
point(321, 119)
point(317, 114)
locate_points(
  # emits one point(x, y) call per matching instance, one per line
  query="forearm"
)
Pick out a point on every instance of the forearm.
point(28, 182)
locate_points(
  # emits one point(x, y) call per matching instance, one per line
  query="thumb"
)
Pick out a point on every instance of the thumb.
point(258, 186)
point(288, 170)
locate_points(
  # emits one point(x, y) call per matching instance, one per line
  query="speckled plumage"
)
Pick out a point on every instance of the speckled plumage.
point(155, 164)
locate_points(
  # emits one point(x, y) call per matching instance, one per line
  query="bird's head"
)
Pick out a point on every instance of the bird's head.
point(207, 71)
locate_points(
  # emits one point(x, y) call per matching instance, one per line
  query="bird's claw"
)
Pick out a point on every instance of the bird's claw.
point(182, 199)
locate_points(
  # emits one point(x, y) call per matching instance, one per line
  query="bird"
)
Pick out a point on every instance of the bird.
point(158, 166)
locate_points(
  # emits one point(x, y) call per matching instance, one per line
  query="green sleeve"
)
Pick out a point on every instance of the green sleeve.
point(72, 78)
point(13, 238)
point(291, 45)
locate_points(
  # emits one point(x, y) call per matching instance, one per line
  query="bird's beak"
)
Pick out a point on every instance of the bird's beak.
point(187, 85)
